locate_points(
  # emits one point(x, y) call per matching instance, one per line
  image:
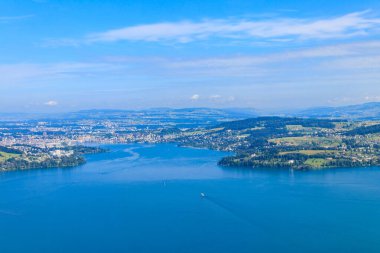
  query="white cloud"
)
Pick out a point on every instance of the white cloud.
point(51, 103)
point(195, 97)
point(275, 30)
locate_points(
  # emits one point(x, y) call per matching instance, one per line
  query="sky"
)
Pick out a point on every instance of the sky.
point(70, 55)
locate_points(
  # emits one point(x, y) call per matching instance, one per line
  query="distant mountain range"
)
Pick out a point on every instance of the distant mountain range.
point(368, 111)
point(361, 111)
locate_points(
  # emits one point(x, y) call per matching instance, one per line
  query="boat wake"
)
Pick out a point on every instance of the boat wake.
point(230, 210)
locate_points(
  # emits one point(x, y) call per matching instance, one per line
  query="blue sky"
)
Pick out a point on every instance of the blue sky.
point(72, 55)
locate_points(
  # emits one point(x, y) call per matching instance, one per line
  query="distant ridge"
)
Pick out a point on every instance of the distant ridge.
point(197, 115)
point(112, 113)
point(367, 111)
point(359, 111)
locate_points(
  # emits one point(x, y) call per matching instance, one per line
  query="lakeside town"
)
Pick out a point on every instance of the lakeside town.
point(267, 142)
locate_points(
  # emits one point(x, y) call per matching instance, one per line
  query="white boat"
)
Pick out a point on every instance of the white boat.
point(203, 195)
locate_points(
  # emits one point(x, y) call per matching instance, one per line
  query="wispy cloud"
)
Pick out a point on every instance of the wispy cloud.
point(7, 19)
point(275, 30)
point(350, 55)
point(356, 63)
point(11, 73)
point(345, 66)
point(343, 70)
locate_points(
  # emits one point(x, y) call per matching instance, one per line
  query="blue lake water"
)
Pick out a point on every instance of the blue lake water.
point(146, 198)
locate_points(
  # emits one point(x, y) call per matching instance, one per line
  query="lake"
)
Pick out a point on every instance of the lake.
point(147, 198)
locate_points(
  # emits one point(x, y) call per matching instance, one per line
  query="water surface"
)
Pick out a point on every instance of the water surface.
point(146, 198)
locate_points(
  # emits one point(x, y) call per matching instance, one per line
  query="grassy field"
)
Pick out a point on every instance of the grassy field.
point(315, 162)
point(309, 152)
point(5, 156)
point(306, 140)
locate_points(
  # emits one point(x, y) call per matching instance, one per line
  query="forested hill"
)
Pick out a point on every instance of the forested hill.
point(277, 122)
point(364, 130)
point(298, 143)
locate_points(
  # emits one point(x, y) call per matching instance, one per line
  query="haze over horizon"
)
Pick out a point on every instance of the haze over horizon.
point(59, 56)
